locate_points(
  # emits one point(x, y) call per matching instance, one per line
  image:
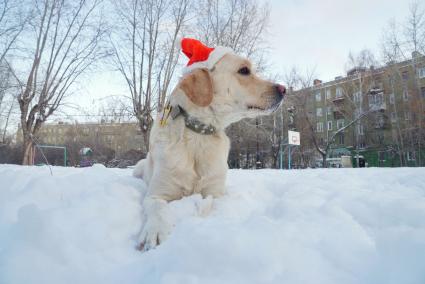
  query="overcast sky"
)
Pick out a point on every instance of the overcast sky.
point(308, 34)
point(320, 33)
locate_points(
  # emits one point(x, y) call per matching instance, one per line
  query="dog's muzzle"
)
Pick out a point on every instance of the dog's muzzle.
point(280, 91)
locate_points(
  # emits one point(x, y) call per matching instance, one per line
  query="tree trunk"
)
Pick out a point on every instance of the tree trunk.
point(28, 156)
point(324, 160)
point(145, 125)
point(146, 140)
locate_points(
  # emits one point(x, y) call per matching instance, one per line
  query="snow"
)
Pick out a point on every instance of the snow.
point(299, 226)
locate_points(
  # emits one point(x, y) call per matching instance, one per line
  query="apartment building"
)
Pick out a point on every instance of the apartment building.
point(119, 137)
point(391, 103)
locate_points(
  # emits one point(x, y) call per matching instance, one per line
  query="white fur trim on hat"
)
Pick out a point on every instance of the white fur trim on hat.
point(213, 58)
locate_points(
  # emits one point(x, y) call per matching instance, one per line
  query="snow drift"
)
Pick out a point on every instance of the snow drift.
point(309, 226)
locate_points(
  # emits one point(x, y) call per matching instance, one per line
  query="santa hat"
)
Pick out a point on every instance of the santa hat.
point(200, 55)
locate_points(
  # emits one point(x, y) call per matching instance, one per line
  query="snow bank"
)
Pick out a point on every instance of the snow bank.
point(310, 226)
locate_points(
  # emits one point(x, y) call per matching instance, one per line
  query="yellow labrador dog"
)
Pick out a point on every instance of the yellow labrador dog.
point(188, 144)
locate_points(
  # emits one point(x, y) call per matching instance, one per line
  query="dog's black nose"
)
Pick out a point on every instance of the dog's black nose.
point(281, 90)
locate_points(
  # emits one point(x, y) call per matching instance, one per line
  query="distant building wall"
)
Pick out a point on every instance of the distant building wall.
point(120, 137)
point(396, 128)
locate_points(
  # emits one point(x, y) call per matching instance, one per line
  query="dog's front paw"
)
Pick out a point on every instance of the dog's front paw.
point(153, 234)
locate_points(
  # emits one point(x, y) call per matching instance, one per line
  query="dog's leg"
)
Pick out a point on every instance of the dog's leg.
point(139, 169)
point(216, 187)
point(157, 225)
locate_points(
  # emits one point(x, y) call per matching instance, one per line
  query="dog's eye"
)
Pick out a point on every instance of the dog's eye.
point(244, 71)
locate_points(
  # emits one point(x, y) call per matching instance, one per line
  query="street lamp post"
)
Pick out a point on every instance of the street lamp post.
point(291, 126)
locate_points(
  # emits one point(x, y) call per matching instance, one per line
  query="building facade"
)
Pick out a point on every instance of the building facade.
point(384, 106)
point(105, 139)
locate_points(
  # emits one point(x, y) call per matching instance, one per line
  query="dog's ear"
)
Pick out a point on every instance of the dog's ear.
point(198, 87)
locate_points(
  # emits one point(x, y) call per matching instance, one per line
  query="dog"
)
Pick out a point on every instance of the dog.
point(188, 147)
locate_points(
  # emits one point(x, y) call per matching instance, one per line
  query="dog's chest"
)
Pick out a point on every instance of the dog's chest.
point(208, 159)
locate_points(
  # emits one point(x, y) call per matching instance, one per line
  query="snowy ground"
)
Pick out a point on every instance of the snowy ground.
point(310, 226)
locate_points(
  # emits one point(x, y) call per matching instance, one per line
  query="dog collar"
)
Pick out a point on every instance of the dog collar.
point(191, 122)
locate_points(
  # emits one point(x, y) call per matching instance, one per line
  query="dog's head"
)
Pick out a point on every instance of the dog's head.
point(227, 92)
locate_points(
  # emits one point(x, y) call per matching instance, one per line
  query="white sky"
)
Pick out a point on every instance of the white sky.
point(308, 34)
point(320, 33)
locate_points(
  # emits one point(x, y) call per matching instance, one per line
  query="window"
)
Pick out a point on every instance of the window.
point(329, 110)
point(405, 95)
point(338, 92)
point(380, 121)
point(329, 125)
point(341, 138)
point(339, 123)
point(376, 99)
point(357, 97)
point(405, 75)
point(328, 94)
point(319, 111)
point(393, 117)
point(392, 99)
point(423, 92)
point(411, 156)
point(360, 129)
point(421, 72)
point(380, 137)
point(319, 127)
point(406, 115)
point(381, 155)
point(318, 96)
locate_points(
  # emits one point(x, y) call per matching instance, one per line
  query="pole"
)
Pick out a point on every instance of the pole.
point(281, 157)
point(33, 148)
point(65, 158)
point(357, 158)
point(289, 156)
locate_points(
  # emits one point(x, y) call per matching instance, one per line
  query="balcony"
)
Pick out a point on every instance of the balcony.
point(376, 100)
point(338, 112)
point(381, 121)
point(338, 100)
point(378, 106)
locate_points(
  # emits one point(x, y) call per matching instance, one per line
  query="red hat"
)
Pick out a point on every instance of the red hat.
point(200, 55)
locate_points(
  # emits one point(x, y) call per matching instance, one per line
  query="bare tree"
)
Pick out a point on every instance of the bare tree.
point(115, 109)
point(144, 48)
point(242, 26)
point(62, 43)
point(405, 41)
point(347, 106)
point(8, 105)
point(5, 119)
point(239, 24)
point(4, 82)
point(363, 59)
point(400, 40)
point(414, 29)
point(324, 148)
point(12, 23)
